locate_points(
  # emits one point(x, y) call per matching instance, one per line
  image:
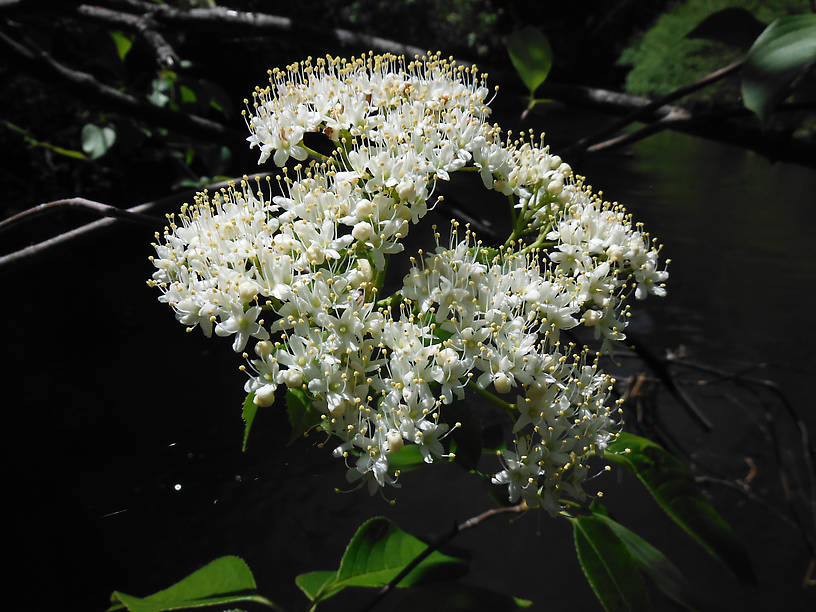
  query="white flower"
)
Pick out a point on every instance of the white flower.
point(243, 324)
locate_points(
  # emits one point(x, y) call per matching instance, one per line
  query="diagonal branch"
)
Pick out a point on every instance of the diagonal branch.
point(138, 210)
point(223, 16)
point(474, 521)
point(86, 86)
point(104, 210)
point(143, 24)
point(655, 105)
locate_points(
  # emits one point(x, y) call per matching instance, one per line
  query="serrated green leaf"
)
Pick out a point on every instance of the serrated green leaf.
point(302, 414)
point(313, 583)
point(96, 141)
point(784, 50)
point(531, 55)
point(608, 566)
point(123, 43)
point(652, 562)
point(248, 412)
point(673, 488)
point(224, 580)
point(377, 553)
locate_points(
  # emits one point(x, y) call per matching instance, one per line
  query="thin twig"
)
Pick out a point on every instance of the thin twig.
point(41, 247)
point(221, 15)
point(104, 210)
point(660, 370)
point(474, 521)
point(745, 490)
point(653, 106)
point(88, 87)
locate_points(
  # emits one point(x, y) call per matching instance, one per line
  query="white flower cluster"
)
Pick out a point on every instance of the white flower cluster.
point(311, 261)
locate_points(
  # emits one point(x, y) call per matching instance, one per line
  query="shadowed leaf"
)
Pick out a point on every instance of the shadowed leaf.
point(302, 414)
point(531, 55)
point(248, 412)
point(783, 52)
point(663, 573)
point(672, 486)
point(608, 566)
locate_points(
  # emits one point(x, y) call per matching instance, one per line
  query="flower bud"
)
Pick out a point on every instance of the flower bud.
point(265, 396)
point(264, 349)
point(292, 378)
point(502, 383)
point(363, 209)
point(362, 231)
point(315, 254)
point(394, 440)
point(247, 290)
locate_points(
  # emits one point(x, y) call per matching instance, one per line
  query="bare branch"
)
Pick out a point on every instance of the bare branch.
point(86, 86)
point(104, 210)
point(170, 201)
point(644, 111)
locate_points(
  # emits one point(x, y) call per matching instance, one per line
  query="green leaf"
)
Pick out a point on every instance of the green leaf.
point(652, 562)
point(405, 459)
point(609, 567)
point(225, 580)
point(376, 554)
point(531, 55)
point(315, 583)
point(96, 141)
point(784, 51)
point(123, 43)
point(302, 414)
point(188, 96)
point(673, 488)
point(248, 412)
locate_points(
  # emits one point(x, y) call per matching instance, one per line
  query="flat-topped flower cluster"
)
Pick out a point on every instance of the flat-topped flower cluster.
point(300, 273)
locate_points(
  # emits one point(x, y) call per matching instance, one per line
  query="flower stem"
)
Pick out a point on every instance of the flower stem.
point(317, 154)
point(508, 407)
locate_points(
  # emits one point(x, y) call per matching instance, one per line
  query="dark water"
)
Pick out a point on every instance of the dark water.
point(123, 432)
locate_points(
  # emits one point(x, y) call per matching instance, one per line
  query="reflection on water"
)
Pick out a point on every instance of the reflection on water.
point(739, 231)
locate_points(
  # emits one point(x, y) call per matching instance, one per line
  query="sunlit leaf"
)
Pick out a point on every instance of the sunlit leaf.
point(315, 583)
point(672, 486)
point(123, 43)
point(663, 573)
point(225, 580)
point(302, 414)
point(784, 51)
point(248, 411)
point(608, 566)
point(375, 555)
point(531, 55)
point(96, 141)
point(188, 96)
